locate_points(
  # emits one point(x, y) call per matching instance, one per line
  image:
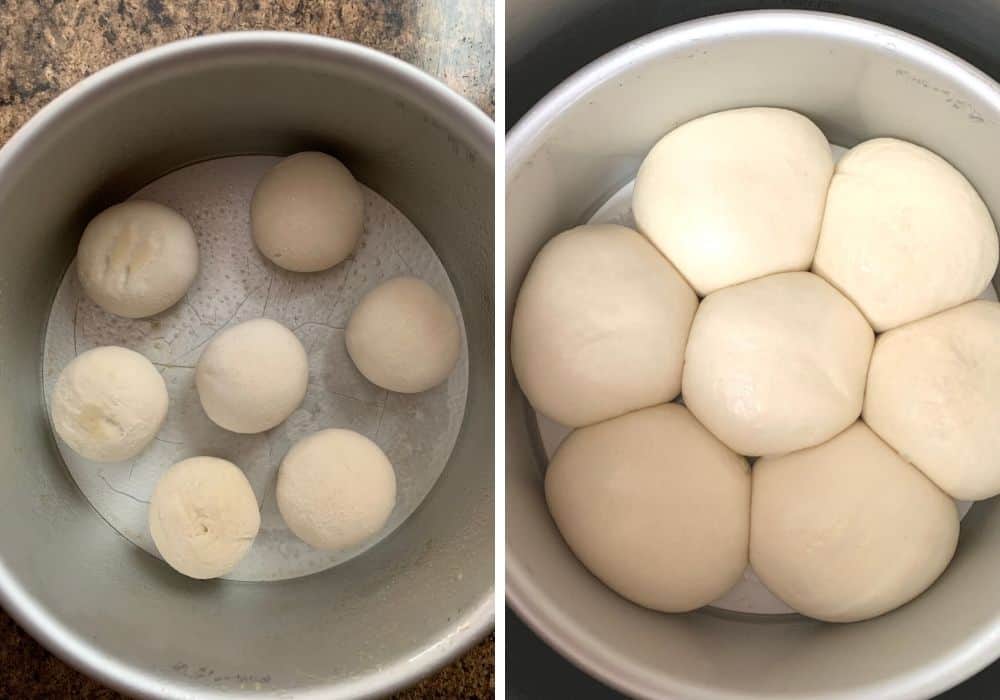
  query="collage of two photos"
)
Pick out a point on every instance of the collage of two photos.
point(468, 349)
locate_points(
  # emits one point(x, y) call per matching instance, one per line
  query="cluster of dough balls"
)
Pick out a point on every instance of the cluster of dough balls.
point(820, 318)
point(336, 488)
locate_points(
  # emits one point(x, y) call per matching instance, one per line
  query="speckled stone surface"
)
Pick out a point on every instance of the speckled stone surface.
point(48, 45)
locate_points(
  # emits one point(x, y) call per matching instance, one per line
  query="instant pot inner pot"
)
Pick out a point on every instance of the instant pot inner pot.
point(71, 578)
point(856, 81)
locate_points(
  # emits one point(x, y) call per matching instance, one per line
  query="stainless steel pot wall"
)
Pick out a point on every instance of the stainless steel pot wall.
point(363, 628)
point(586, 139)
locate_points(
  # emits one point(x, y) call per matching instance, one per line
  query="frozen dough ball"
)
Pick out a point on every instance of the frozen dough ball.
point(600, 326)
point(934, 395)
point(905, 235)
point(654, 506)
point(307, 212)
point(252, 376)
point(137, 258)
point(735, 195)
point(108, 404)
point(203, 516)
point(847, 530)
point(777, 364)
point(336, 488)
point(403, 336)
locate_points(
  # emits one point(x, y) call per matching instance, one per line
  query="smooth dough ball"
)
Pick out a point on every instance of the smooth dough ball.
point(203, 516)
point(336, 488)
point(735, 195)
point(600, 326)
point(403, 336)
point(934, 395)
point(777, 364)
point(847, 530)
point(654, 506)
point(905, 235)
point(137, 258)
point(252, 376)
point(307, 212)
point(109, 403)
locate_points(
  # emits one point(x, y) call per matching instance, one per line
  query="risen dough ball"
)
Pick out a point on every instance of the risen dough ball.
point(735, 195)
point(934, 395)
point(252, 376)
point(403, 336)
point(137, 258)
point(109, 403)
point(654, 506)
point(848, 530)
point(905, 235)
point(600, 326)
point(203, 516)
point(777, 364)
point(336, 488)
point(307, 212)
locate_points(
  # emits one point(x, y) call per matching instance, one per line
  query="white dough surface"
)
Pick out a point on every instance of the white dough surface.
point(934, 395)
point(905, 234)
point(653, 505)
point(735, 195)
point(236, 283)
point(749, 595)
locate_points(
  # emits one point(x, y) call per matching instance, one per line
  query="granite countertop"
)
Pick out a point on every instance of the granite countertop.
point(48, 45)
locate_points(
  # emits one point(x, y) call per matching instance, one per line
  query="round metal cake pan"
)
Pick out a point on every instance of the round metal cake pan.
point(579, 145)
point(365, 628)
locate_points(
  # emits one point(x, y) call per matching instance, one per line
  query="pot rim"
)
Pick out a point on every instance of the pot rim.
point(562, 633)
point(422, 89)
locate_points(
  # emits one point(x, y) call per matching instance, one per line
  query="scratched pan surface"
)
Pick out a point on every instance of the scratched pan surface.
point(235, 284)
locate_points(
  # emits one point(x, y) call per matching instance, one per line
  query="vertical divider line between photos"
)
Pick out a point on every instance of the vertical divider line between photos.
point(500, 352)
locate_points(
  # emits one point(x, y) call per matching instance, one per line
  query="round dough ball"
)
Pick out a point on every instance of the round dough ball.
point(109, 403)
point(600, 326)
point(934, 395)
point(735, 195)
point(403, 336)
point(905, 235)
point(847, 530)
point(777, 364)
point(307, 212)
point(336, 488)
point(252, 376)
point(654, 506)
point(137, 258)
point(203, 516)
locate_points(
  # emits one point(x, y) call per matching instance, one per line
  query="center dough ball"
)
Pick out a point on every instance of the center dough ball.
point(905, 235)
point(403, 336)
point(735, 195)
point(252, 376)
point(203, 516)
point(777, 364)
point(600, 326)
point(137, 259)
point(847, 530)
point(307, 212)
point(336, 488)
point(654, 506)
